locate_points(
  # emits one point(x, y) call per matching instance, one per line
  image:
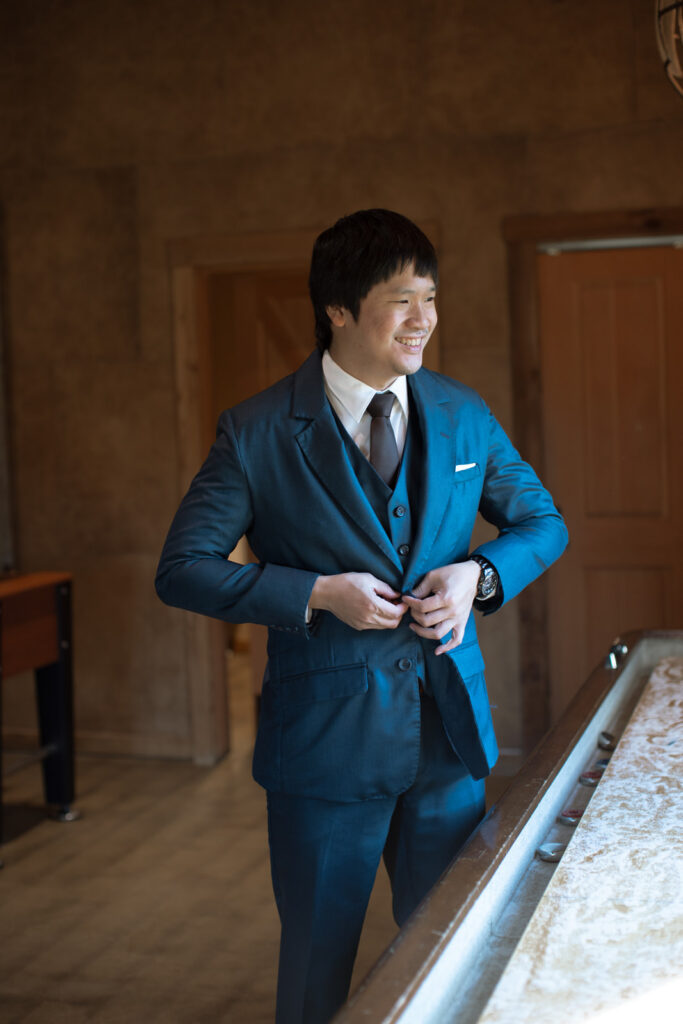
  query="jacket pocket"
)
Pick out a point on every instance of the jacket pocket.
point(468, 659)
point(324, 684)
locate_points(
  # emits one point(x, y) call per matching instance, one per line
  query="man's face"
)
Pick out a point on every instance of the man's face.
point(395, 321)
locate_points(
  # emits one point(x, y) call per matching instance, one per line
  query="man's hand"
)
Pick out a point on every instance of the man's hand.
point(359, 599)
point(442, 603)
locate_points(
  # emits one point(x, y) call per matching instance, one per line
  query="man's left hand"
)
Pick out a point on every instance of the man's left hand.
point(442, 603)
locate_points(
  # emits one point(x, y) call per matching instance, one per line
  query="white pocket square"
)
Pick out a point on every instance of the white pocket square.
point(464, 465)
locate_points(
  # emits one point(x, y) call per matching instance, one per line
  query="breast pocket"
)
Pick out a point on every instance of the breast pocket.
point(466, 472)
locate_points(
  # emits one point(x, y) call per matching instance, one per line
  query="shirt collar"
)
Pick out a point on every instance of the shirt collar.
point(354, 394)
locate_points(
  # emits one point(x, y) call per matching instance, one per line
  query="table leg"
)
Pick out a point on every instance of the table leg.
point(54, 690)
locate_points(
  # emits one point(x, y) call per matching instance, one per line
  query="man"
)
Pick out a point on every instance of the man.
point(357, 481)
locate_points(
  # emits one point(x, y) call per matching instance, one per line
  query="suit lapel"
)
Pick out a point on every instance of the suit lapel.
point(434, 410)
point(321, 445)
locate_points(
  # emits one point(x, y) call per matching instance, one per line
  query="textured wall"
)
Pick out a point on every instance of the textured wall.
point(124, 125)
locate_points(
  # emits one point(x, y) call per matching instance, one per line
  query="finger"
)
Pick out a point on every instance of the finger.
point(455, 641)
point(384, 590)
point(437, 632)
point(425, 605)
point(383, 623)
point(431, 619)
point(389, 610)
point(424, 587)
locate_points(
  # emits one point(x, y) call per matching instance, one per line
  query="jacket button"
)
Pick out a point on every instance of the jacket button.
point(400, 511)
point(404, 664)
point(403, 550)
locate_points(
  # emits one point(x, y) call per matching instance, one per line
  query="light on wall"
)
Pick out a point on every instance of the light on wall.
point(669, 30)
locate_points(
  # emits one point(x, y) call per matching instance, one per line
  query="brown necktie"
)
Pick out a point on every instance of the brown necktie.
point(383, 449)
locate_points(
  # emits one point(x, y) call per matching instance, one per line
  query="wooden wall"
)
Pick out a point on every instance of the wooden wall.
point(125, 126)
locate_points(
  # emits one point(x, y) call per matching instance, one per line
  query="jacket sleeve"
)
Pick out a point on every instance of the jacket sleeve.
point(195, 572)
point(532, 533)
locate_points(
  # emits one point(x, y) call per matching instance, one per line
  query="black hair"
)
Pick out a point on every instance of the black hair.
point(357, 253)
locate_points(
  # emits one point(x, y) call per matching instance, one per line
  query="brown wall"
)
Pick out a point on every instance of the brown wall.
point(124, 125)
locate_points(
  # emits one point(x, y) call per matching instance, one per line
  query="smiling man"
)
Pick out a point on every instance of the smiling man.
point(357, 481)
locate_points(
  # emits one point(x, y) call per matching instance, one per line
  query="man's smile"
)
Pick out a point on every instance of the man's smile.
point(411, 343)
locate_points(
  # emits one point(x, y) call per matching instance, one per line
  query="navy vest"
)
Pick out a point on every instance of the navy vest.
point(396, 509)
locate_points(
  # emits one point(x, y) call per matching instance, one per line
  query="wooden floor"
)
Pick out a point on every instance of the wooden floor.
point(156, 906)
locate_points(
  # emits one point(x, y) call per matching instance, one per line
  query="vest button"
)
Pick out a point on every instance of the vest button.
point(404, 664)
point(400, 511)
point(404, 549)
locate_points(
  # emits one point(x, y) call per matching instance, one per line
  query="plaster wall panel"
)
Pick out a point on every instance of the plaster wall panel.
point(110, 74)
point(24, 112)
point(120, 624)
point(127, 81)
point(637, 166)
point(530, 68)
point(92, 463)
point(72, 261)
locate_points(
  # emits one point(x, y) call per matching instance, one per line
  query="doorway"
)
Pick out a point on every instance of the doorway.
point(598, 378)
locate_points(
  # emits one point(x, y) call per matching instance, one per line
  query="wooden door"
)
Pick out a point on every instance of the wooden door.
point(261, 327)
point(611, 338)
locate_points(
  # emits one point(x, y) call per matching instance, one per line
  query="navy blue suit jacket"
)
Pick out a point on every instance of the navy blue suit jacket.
point(340, 714)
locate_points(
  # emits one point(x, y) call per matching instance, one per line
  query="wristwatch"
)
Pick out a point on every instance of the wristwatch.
point(488, 578)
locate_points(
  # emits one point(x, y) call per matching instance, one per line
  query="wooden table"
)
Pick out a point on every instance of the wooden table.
point(506, 937)
point(35, 634)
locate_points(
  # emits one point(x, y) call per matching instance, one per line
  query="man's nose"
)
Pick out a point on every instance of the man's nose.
point(421, 314)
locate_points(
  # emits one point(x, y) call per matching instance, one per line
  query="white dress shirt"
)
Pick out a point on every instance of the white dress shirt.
point(350, 398)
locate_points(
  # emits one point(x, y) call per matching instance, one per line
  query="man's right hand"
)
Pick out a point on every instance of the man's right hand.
point(359, 599)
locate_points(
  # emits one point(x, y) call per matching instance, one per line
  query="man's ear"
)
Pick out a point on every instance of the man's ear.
point(337, 315)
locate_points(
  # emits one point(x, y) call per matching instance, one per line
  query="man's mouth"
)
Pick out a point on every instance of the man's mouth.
point(412, 344)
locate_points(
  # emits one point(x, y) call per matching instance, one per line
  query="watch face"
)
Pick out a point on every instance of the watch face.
point(487, 582)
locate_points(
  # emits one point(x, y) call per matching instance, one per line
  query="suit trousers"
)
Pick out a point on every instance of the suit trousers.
point(325, 855)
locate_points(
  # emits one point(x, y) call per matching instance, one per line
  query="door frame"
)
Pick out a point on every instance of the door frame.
point(523, 234)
